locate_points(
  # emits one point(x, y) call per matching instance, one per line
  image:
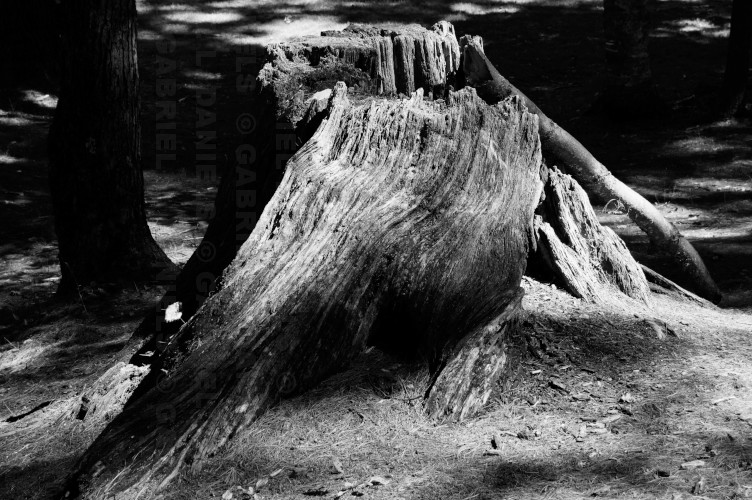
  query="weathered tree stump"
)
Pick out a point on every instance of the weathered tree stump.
point(402, 222)
point(371, 61)
point(590, 261)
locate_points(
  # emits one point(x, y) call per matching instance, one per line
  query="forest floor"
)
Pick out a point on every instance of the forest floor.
point(601, 405)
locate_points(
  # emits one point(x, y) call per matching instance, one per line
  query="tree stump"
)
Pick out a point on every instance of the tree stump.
point(402, 222)
point(371, 61)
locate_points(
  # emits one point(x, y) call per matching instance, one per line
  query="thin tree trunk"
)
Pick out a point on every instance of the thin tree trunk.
point(405, 223)
point(592, 174)
point(628, 91)
point(94, 147)
point(737, 58)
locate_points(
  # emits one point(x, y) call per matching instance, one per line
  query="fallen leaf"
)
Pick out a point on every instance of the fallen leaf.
point(173, 312)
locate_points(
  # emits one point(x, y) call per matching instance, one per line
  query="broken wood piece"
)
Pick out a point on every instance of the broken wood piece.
point(589, 260)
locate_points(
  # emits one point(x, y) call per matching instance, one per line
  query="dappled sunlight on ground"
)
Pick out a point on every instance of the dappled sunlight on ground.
point(690, 394)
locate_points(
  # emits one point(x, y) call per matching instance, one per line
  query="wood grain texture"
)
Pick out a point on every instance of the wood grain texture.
point(408, 219)
point(365, 58)
point(589, 260)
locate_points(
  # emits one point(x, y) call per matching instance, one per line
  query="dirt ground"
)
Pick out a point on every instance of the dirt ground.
point(600, 404)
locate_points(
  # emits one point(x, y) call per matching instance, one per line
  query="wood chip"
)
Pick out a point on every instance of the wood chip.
point(377, 481)
point(597, 430)
point(337, 467)
point(721, 400)
point(699, 486)
point(694, 464)
point(610, 418)
point(558, 386)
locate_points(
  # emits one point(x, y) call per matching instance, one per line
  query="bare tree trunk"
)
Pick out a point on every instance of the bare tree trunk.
point(737, 58)
point(95, 161)
point(629, 90)
point(406, 223)
point(593, 175)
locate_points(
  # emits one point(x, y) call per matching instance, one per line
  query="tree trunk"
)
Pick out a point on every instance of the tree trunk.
point(628, 91)
point(558, 144)
point(95, 169)
point(737, 58)
point(404, 223)
point(371, 61)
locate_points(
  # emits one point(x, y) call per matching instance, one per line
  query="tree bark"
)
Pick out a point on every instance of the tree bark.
point(737, 58)
point(371, 61)
point(405, 223)
point(628, 91)
point(588, 260)
point(557, 143)
point(94, 148)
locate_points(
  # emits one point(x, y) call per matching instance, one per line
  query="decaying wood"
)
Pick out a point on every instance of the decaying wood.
point(567, 151)
point(590, 261)
point(471, 370)
point(371, 61)
point(104, 400)
point(401, 222)
point(664, 286)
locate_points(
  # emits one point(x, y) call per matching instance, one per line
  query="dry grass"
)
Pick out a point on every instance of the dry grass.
point(369, 419)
